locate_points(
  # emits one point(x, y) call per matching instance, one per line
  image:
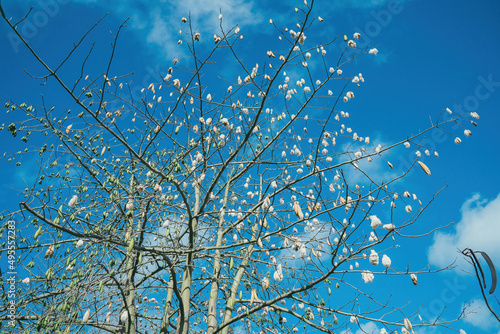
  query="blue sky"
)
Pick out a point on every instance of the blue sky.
point(432, 55)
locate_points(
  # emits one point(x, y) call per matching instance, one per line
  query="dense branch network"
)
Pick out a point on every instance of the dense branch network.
point(197, 208)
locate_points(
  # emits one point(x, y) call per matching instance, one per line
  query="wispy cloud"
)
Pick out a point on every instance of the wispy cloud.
point(366, 4)
point(368, 328)
point(160, 22)
point(481, 316)
point(479, 229)
point(27, 174)
point(312, 238)
point(378, 169)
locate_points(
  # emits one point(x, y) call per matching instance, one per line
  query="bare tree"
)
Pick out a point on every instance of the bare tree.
point(211, 205)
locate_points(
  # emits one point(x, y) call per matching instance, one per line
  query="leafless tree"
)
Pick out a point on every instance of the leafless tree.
point(211, 204)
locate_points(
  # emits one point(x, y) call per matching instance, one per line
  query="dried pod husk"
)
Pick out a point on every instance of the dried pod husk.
point(414, 279)
point(408, 325)
point(253, 297)
point(86, 316)
point(424, 168)
point(259, 242)
point(265, 283)
point(298, 210)
point(49, 252)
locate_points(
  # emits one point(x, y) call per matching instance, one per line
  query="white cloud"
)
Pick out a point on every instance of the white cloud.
point(479, 229)
point(480, 316)
point(382, 57)
point(365, 4)
point(370, 327)
point(161, 34)
point(160, 22)
point(239, 12)
point(378, 170)
point(240, 330)
point(312, 239)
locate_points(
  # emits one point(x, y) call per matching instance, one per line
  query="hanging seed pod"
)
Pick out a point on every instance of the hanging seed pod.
point(73, 200)
point(49, 252)
point(267, 203)
point(414, 279)
point(124, 316)
point(298, 210)
point(130, 246)
point(265, 283)
point(86, 316)
point(38, 232)
point(408, 325)
point(259, 242)
point(424, 168)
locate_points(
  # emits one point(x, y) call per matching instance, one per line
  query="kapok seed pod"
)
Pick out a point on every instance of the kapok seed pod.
point(424, 168)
